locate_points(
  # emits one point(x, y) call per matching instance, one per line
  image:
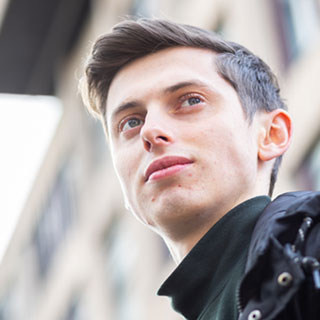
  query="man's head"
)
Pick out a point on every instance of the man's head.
point(253, 80)
point(180, 97)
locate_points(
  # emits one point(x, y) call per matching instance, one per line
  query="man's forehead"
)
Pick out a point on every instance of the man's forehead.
point(160, 71)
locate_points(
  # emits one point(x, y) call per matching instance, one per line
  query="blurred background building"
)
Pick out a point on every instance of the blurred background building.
point(76, 254)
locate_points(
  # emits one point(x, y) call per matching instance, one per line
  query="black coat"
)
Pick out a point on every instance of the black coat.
point(282, 279)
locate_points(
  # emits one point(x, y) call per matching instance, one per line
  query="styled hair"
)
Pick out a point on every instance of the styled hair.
point(252, 79)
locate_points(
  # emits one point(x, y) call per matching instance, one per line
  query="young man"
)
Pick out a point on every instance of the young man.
point(197, 128)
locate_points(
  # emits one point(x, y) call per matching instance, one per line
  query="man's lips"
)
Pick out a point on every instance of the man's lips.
point(165, 166)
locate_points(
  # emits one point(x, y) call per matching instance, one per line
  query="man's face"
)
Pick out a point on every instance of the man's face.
point(181, 146)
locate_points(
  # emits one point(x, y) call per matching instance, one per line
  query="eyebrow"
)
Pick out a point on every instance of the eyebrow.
point(171, 89)
point(123, 107)
point(184, 84)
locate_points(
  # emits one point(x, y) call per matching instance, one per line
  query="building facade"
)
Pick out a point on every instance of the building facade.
point(77, 254)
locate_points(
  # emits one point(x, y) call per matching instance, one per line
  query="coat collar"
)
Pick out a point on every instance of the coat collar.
point(204, 272)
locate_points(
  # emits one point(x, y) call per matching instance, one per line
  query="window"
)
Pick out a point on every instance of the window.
point(10, 308)
point(298, 26)
point(144, 8)
point(121, 259)
point(55, 219)
point(309, 172)
point(75, 310)
point(220, 24)
point(5, 308)
point(98, 142)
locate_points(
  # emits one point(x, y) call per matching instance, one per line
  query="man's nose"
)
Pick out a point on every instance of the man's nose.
point(155, 133)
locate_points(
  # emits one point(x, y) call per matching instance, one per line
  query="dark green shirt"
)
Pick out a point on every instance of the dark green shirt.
point(204, 284)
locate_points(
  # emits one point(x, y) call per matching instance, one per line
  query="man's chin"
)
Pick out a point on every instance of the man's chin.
point(171, 207)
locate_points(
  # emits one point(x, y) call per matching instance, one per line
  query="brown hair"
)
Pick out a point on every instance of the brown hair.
point(253, 80)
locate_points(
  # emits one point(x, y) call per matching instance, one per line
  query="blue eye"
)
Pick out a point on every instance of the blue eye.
point(191, 102)
point(131, 124)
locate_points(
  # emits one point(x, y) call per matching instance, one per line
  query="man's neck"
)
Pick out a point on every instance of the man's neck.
point(180, 246)
point(179, 249)
point(180, 242)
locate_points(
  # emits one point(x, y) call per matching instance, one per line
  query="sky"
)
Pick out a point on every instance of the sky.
point(27, 126)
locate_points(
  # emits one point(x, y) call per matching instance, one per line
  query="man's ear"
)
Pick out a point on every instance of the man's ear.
point(275, 135)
